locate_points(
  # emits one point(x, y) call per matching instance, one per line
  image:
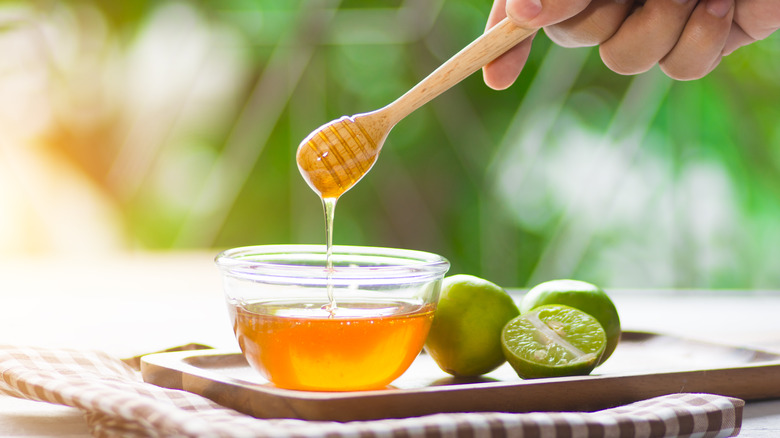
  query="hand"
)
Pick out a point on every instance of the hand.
point(686, 38)
point(754, 20)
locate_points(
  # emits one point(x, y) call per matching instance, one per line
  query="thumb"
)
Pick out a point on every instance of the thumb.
point(540, 13)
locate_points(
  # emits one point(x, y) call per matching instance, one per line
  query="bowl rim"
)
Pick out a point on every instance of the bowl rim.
point(385, 263)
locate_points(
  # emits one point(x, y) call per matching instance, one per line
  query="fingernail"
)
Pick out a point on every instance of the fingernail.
point(719, 8)
point(523, 10)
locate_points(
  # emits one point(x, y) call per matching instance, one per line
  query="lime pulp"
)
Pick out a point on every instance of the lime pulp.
point(552, 341)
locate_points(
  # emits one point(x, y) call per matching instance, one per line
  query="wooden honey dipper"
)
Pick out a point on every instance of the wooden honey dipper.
point(338, 154)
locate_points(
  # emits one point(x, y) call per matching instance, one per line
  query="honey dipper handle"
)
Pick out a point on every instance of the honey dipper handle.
point(489, 46)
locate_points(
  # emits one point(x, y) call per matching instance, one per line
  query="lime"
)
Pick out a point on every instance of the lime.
point(553, 340)
point(465, 337)
point(582, 295)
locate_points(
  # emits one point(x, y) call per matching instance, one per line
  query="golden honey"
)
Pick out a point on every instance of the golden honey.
point(362, 346)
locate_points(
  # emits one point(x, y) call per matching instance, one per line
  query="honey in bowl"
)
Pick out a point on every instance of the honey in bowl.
point(305, 338)
point(361, 346)
point(277, 296)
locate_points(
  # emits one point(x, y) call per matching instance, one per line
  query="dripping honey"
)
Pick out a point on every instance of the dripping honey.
point(336, 156)
point(336, 346)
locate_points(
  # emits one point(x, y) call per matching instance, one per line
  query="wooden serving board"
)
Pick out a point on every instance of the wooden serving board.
point(644, 365)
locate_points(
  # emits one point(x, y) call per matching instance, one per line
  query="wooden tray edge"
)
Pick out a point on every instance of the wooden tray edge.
point(578, 393)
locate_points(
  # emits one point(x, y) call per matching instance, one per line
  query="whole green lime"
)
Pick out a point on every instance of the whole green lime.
point(465, 336)
point(582, 295)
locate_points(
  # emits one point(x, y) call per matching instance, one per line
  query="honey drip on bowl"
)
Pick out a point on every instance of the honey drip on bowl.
point(332, 159)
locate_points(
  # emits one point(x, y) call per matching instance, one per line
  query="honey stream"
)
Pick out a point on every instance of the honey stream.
point(329, 206)
point(315, 159)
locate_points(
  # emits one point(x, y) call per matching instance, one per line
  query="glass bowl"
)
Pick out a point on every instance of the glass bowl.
point(277, 298)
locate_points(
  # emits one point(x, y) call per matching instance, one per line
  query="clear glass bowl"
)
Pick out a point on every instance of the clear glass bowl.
point(277, 297)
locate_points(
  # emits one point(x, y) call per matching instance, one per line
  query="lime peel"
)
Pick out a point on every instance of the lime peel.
point(572, 346)
point(581, 295)
point(465, 336)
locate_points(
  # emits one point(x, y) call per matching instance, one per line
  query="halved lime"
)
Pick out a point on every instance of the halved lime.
point(553, 340)
point(582, 295)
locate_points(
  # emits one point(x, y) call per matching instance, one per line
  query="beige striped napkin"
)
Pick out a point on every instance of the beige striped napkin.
point(117, 402)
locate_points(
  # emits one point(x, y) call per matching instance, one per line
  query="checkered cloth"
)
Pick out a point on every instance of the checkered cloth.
point(116, 402)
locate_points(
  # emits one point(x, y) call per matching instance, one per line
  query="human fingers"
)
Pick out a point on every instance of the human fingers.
point(646, 36)
point(757, 18)
point(504, 70)
point(497, 13)
point(700, 47)
point(594, 25)
point(540, 13)
point(753, 20)
point(737, 38)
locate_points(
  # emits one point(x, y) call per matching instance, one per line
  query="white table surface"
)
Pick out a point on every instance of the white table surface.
point(132, 304)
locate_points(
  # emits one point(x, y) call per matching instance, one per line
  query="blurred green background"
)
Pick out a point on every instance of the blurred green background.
point(164, 125)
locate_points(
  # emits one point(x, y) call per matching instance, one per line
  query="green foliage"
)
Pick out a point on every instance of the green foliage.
point(572, 172)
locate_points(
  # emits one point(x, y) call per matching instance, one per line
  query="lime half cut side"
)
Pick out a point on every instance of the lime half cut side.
point(582, 295)
point(553, 340)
